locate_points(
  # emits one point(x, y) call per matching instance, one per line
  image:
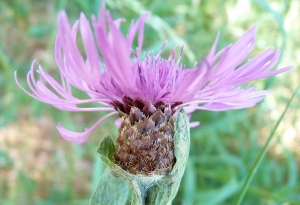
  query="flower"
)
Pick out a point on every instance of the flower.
point(117, 78)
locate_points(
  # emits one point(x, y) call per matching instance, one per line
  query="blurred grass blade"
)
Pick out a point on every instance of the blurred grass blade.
point(262, 154)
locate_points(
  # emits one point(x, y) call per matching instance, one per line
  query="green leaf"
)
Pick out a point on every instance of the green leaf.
point(154, 190)
point(111, 190)
point(106, 151)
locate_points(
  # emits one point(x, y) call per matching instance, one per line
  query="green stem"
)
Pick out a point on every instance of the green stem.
point(262, 154)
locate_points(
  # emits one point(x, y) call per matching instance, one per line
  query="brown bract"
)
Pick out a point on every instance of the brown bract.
point(145, 141)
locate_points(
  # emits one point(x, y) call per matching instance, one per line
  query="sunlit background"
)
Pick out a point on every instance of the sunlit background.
point(38, 167)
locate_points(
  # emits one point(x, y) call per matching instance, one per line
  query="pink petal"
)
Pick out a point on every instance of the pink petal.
point(80, 137)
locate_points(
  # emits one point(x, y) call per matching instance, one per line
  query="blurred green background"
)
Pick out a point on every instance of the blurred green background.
point(38, 167)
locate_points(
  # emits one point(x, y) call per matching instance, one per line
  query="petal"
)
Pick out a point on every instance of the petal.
point(134, 27)
point(118, 122)
point(57, 95)
point(115, 50)
point(90, 50)
point(189, 109)
point(194, 124)
point(236, 54)
point(232, 99)
point(80, 137)
point(213, 49)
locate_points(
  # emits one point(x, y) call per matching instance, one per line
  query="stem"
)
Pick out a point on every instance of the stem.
point(262, 154)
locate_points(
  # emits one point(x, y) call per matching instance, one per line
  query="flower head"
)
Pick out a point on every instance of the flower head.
point(119, 79)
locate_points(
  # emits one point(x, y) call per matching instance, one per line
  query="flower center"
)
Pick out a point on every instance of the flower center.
point(145, 140)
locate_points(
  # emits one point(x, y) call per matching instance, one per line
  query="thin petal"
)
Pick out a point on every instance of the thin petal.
point(138, 26)
point(80, 137)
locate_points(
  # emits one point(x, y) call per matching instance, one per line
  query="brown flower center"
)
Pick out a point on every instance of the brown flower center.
point(145, 139)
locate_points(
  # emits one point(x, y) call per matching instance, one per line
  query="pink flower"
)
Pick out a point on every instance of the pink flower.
point(114, 75)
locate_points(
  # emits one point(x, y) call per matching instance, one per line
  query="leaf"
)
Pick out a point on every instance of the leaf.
point(106, 151)
point(111, 190)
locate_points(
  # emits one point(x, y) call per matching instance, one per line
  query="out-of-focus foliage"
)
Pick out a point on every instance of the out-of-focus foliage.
point(38, 167)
